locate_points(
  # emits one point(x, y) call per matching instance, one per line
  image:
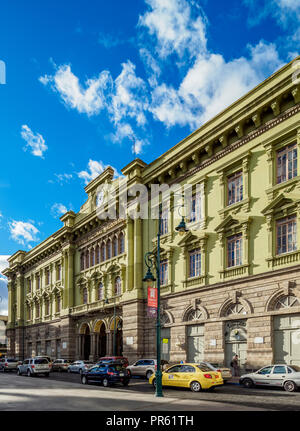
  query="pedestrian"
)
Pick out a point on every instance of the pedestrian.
point(235, 366)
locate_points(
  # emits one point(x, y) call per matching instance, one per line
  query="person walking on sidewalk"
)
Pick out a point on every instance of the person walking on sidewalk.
point(235, 366)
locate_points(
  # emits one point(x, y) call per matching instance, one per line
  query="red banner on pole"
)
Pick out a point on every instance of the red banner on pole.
point(152, 297)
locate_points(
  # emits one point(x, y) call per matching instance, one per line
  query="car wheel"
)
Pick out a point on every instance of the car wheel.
point(154, 383)
point(148, 374)
point(247, 383)
point(195, 387)
point(290, 386)
point(105, 383)
point(84, 380)
point(125, 382)
point(29, 374)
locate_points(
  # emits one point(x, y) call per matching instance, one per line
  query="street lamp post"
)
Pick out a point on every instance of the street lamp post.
point(150, 260)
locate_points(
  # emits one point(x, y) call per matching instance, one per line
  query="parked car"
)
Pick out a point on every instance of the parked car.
point(8, 364)
point(108, 359)
point(193, 376)
point(48, 359)
point(286, 376)
point(107, 374)
point(226, 372)
point(34, 366)
point(60, 365)
point(80, 366)
point(143, 367)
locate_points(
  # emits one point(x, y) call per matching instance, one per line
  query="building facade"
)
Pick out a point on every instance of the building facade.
point(3, 338)
point(230, 285)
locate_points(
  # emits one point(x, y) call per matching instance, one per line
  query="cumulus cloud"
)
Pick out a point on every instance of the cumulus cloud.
point(61, 178)
point(94, 169)
point(23, 232)
point(35, 141)
point(88, 99)
point(175, 27)
point(58, 209)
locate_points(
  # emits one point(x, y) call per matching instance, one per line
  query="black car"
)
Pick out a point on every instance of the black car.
point(107, 374)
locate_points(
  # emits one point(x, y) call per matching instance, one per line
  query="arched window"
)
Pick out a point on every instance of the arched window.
point(92, 257)
point(164, 320)
point(37, 313)
point(108, 249)
point(287, 302)
point(103, 254)
point(118, 286)
point(97, 254)
point(87, 259)
point(47, 307)
point(82, 261)
point(121, 243)
point(85, 295)
point(195, 315)
point(100, 292)
point(236, 309)
point(115, 246)
point(28, 312)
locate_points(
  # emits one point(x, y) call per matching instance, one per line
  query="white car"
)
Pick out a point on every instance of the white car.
point(143, 367)
point(286, 376)
point(34, 366)
point(80, 366)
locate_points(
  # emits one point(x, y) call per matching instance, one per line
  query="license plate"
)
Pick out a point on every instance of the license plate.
point(121, 374)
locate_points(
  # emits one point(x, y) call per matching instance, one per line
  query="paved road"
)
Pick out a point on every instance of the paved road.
point(64, 392)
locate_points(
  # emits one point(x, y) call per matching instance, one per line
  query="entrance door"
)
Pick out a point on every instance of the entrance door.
point(236, 342)
point(287, 339)
point(165, 336)
point(195, 335)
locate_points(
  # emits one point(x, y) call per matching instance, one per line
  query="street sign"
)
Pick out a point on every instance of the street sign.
point(152, 297)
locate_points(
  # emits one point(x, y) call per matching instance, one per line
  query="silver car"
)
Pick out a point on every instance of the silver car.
point(34, 366)
point(80, 366)
point(143, 367)
point(286, 376)
point(8, 364)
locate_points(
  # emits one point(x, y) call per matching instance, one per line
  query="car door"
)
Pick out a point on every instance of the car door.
point(262, 376)
point(278, 375)
point(139, 368)
point(171, 376)
point(185, 374)
point(24, 366)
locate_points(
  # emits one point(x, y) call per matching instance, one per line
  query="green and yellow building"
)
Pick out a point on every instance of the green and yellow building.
point(230, 285)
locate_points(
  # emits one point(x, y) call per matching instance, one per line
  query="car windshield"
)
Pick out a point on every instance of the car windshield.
point(41, 361)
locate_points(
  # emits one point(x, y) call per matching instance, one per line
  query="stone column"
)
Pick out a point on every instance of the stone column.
point(108, 342)
point(138, 254)
point(130, 254)
point(93, 341)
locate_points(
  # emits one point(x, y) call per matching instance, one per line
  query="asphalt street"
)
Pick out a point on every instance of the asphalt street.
point(63, 391)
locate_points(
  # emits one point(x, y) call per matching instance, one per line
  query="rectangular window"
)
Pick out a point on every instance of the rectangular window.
point(235, 188)
point(47, 308)
point(195, 263)
point(164, 222)
point(196, 208)
point(287, 163)
point(37, 310)
point(286, 232)
point(163, 272)
point(234, 250)
point(59, 272)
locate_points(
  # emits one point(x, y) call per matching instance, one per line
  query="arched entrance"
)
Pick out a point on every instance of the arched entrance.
point(85, 341)
point(100, 331)
point(116, 329)
point(236, 342)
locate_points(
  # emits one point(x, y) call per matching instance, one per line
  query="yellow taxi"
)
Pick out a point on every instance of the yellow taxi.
point(193, 376)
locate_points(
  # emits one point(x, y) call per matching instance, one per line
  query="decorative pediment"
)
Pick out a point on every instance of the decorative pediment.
point(194, 236)
point(96, 275)
point(115, 267)
point(282, 201)
point(82, 280)
point(163, 249)
point(232, 222)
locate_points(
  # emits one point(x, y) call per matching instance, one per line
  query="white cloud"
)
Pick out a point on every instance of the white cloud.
point(35, 142)
point(175, 27)
point(58, 209)
point(89, 100)
point(23, 232)
point(61, 178)
point(94, 169)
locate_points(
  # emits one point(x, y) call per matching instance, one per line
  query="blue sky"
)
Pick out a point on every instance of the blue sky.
point(86, 79)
